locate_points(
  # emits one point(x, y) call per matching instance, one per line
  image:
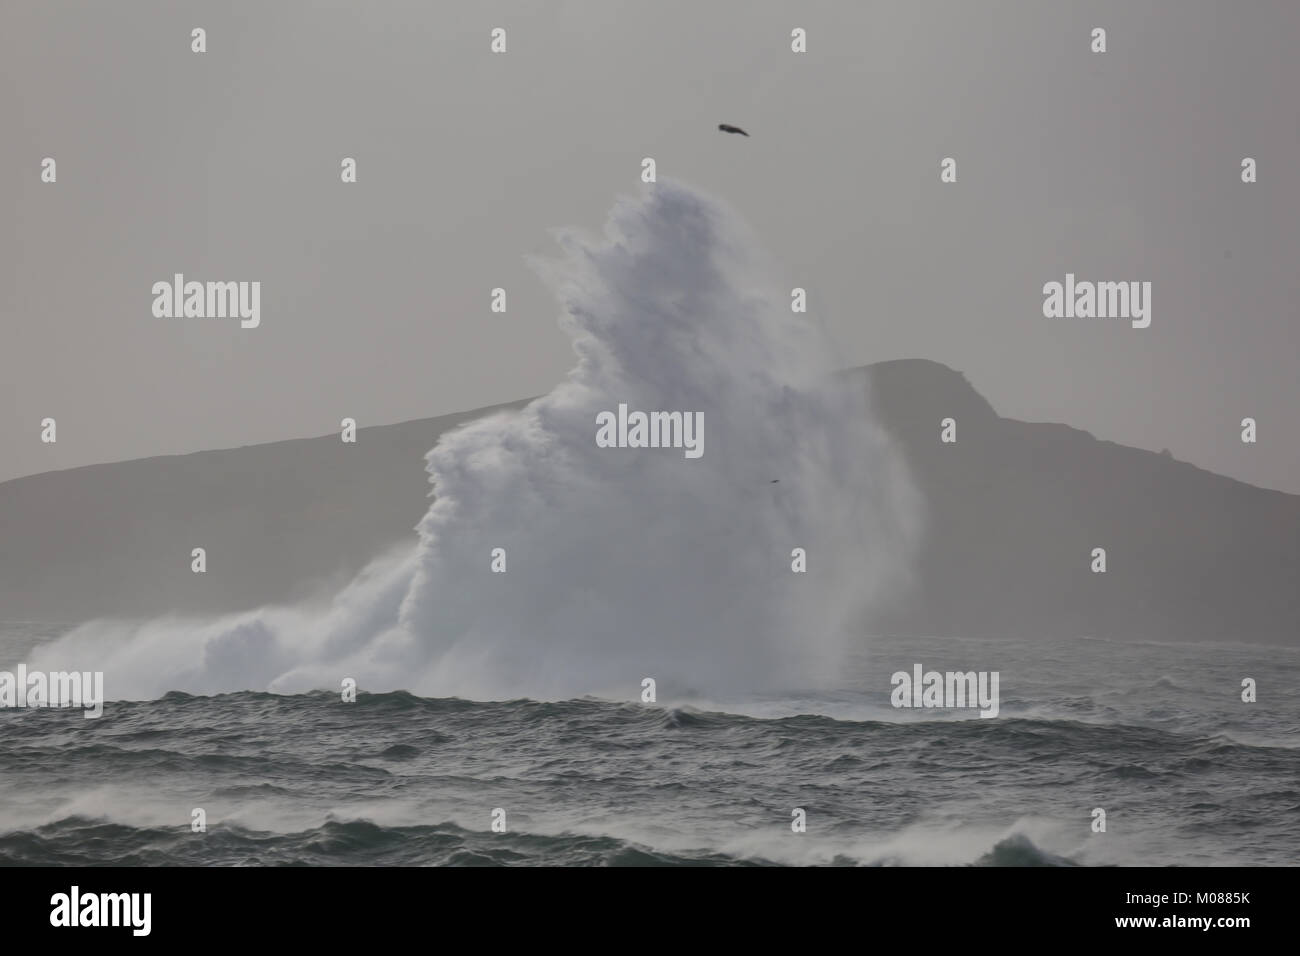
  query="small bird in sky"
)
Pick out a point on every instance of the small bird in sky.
point(731, 129)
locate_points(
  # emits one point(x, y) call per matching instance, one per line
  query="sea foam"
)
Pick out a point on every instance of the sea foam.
point(622, 563)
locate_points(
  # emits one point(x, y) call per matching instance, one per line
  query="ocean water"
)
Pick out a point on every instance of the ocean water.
point(1155, 734)
point(515, 697)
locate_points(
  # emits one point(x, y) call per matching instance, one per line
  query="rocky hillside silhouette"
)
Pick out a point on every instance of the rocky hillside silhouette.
point(1014, 510)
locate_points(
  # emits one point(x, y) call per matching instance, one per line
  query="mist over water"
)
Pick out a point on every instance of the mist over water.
point(622, 563)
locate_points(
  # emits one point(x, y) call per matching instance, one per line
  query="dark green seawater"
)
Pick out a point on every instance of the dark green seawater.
point(1154, 734)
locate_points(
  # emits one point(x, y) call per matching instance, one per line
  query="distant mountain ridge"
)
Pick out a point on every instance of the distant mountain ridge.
point(1014, 510)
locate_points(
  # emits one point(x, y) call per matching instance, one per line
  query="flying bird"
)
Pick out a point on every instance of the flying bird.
point(731, 129)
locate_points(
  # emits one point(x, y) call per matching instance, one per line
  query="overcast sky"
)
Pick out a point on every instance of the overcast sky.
point(375, 296)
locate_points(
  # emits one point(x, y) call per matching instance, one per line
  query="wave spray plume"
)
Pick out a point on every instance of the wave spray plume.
point(622, 563)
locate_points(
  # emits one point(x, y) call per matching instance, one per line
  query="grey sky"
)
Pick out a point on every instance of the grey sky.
point(375, 296)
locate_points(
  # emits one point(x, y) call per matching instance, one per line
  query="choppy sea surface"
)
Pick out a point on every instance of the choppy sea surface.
point(1156, 735)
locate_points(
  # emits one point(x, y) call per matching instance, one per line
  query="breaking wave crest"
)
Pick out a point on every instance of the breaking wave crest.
point(621, 563)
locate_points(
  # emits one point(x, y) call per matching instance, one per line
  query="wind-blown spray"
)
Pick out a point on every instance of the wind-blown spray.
point(621, 562)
